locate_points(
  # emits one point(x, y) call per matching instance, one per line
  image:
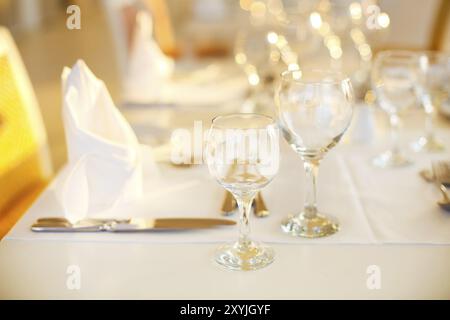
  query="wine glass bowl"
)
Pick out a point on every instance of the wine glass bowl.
point(243, 156)
point(314, 109)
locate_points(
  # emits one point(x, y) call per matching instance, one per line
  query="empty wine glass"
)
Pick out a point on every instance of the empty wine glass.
point(433, 90)
point(394, 80)
point(243, 156)
point(314, 110)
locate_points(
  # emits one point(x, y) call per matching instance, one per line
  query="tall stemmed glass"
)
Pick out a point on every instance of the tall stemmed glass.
point(433, 89)
point(243, 156)
point(394, 80)
point(314, 110)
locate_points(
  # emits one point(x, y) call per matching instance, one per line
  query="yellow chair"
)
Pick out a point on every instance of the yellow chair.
point(25, 164)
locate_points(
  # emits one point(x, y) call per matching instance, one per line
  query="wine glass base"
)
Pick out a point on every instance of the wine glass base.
point(424, 144)
point(244, 257)
point(391, 159)
point(320, 226)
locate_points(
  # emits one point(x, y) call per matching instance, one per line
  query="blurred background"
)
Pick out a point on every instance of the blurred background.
point(347, 33)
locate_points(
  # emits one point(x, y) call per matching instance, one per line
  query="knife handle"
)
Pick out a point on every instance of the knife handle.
point(59, 227)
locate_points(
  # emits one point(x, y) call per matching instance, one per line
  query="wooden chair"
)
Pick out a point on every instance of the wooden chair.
point(25, 164)
point(440, 39)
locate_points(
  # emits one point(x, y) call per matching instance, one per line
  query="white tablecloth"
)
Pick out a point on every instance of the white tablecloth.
point(372, 205)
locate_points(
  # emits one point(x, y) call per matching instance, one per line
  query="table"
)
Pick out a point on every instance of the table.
point(46, 269)
point(142, 271)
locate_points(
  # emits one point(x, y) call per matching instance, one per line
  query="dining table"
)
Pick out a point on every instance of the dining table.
point(393, 242)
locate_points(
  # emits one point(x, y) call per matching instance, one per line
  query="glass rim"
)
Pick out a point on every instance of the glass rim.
point(242, 115)
point(339, 76)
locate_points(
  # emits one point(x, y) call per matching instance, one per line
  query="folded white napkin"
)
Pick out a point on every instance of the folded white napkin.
point(104, 156)
point(149, 69)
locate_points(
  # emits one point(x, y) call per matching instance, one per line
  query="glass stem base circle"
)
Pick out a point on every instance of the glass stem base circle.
point(321, 225)
point(390, 159)
point(244, 256)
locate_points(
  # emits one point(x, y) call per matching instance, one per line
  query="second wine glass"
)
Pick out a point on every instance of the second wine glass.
point(314, 110)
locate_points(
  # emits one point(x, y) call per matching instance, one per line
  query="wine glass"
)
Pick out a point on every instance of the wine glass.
point(433, 90)
point(314, 110)
point(243, 156)
point(394, 80)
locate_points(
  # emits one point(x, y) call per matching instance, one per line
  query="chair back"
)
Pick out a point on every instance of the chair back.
point(24, 157)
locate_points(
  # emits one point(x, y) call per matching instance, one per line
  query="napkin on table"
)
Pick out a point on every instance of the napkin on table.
point(149, 69)
point(104, 156)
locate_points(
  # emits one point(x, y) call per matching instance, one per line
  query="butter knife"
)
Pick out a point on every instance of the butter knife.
point(127, 225)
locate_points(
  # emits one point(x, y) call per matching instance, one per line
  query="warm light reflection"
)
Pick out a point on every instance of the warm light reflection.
point(324, 6)
point(253, 79)
point(297, 75)
point(275, 6)
point(272, 37)
point(324, 29)
point(240, 58)
point(315, 19)
point(357, 36)
point(293, 67)
point(245, 4)
point(258, 9)
point(336, 52)
point(281, 42)
point(365, 51)
point(355, 10)
point(383, 20)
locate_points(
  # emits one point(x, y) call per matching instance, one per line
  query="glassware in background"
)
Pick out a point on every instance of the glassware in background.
point(339, 34)
point(297, 38)
point(433, 89)
point(314, 110)
point(256, 53)
point(243, 156)
point(394, 80)
point(258, 57)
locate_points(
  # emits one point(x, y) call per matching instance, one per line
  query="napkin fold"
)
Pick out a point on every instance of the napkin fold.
point(104, 156)
point(149, 69)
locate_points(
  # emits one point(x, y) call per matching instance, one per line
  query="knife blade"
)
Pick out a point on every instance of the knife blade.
point(127, 225)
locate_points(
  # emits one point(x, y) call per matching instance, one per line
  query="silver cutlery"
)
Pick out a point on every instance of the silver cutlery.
point(127, 225)
point(229, 205)
point(441, 174)
point(259, 206)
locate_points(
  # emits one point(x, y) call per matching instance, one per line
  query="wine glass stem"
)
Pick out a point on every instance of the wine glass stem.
point(244, 203)
point(429, 132)
point(311, 169)
point(394, 120)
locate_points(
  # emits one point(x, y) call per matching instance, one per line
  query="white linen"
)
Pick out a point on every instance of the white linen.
point(149, 69)
point(104, 157)
point(193, 193)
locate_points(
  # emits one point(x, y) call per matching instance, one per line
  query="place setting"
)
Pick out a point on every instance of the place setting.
point(242, 152)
